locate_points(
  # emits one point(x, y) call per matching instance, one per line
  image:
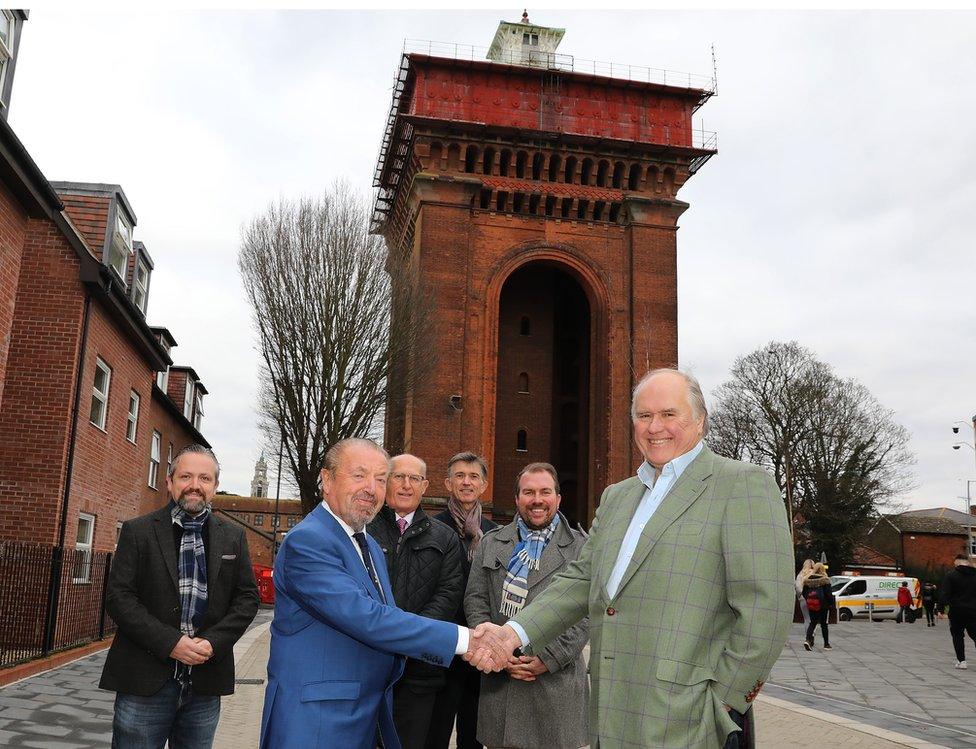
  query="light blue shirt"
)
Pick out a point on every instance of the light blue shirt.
point(654, 493)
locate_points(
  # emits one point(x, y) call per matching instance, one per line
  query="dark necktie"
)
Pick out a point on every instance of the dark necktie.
point(361, 540)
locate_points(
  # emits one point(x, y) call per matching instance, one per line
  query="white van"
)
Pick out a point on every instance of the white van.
point(856, 595)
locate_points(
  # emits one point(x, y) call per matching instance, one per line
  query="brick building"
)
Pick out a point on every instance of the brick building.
point(91, 408)
point(257, 516)
point(917, 542)
point(957, 516)
point(536, 196)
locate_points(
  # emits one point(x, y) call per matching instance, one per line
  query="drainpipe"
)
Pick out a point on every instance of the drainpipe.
point(54, 589)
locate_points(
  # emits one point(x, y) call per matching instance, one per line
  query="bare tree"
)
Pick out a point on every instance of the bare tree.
point(836, 453)
point(322, 290)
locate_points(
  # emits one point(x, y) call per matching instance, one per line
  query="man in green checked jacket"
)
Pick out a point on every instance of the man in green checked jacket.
point(687, 578)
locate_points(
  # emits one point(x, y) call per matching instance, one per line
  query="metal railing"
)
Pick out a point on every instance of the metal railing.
point(553, 61)
point(28, 627)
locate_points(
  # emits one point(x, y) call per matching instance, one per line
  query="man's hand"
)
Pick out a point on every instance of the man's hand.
point(491, 647)
point(527, 668)
point(192, 651)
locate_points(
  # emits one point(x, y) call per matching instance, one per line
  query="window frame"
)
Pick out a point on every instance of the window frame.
point(140, 288)
point(169, 458)
point(85, 547)
point(121, 245)
point(132, 418)
point(197, 419)
point(7, 47)
point(155, 448)
point(188, 397)
point(102, 397)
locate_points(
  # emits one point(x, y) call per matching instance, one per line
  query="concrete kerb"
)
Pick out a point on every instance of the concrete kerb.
point(852, 725)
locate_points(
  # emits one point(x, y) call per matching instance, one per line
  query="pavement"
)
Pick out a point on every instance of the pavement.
point(883, 686)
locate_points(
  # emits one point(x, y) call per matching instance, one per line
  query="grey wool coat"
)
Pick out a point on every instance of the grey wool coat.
point(551, 711)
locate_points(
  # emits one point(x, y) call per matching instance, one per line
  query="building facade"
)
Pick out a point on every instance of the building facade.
point(918, 542)
point(535, 196)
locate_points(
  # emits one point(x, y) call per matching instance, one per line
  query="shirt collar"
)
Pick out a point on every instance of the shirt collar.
point(408, 517)
point(647, 473)
point(342, 523)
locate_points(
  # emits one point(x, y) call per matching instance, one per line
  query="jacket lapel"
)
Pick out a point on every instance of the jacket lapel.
point(679, 498)
point(625, 505)
point(163, 527)
point(214, 553)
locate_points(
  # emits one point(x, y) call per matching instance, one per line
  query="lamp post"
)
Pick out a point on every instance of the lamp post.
point(969, 500)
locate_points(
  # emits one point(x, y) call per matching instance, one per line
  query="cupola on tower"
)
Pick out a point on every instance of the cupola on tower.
point(536, 195)
point(259, 484)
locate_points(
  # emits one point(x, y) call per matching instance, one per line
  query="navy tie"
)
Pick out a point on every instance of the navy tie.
point(361, 540)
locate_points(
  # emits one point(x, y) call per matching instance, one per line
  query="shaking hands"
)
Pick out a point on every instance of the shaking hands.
point(491, 648)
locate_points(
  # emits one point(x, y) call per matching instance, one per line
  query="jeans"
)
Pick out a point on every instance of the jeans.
point(902, 613)
point(174, 713)
point(818, 617)
point(959, 626)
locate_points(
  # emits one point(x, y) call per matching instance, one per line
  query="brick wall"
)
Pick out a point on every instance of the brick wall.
point(13, 227)
point(932, 550)
point(36, 407)
point(257, 514)
point(89, 213)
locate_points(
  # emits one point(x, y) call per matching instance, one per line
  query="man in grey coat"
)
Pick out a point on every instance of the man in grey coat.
point(538, 701)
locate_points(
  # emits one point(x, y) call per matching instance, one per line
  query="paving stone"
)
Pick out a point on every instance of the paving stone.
point(46, 729)
point(16, 713)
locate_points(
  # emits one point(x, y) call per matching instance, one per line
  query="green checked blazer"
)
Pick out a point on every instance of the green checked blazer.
point(700, 616)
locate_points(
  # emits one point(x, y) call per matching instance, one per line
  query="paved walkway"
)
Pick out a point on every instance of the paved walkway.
point(859, 695)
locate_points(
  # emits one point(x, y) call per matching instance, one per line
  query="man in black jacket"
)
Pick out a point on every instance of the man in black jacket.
point(182, 592)
point(467, 479)
point(423, 557)
point(959, 594)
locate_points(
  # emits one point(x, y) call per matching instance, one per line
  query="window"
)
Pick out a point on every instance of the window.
point(162, 379)
point(6, 43)
point(197, 409)
point(118, 533)
point(169, 458)
point(121, 247)
point(188, 398)
point(530, 39)
point(259, 491)
point(856, 588)
point(83, 548)
point(133, 420)
point(99, 402)
point(258, 519)
point(521, 441)
point(291, 521)
point(157, 439)
point(140, 286)
point(523, 382)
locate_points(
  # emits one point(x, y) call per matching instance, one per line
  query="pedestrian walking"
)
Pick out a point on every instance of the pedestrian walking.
point(929, 597)
point(801, 577)
point(819, 599)
point(904, 605)
point(959, 597)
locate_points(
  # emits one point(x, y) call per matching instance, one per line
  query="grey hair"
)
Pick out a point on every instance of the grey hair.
point(695, 397)
point(198, 449)
point(423, 463)
point(468, 457)
point(331, 460)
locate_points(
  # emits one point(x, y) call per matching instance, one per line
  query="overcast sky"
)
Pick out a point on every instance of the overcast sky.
point(839, 211)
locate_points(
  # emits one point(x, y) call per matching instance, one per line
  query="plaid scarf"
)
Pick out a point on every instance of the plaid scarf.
point(525, 557)
point(467, 522)
point(192, 567)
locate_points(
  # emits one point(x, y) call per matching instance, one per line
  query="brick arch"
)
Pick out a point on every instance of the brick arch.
point(590, 278)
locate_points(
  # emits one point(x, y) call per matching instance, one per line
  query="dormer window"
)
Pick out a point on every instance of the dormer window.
point(7, 28)
point(140, 284)
point(530, 39)
point(197, 409)
point(188, 399)
point(121, 246)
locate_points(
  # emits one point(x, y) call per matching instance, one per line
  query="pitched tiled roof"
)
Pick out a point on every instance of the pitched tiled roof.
point(922, 524)
point(866, 556)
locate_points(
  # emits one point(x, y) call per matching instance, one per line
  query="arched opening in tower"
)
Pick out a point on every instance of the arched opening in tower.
point(550, 421)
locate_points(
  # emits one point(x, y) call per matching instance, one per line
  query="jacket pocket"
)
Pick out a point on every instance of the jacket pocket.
point(330, 690)
point(679, 672)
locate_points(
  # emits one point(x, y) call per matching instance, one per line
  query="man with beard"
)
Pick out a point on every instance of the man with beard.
point(467, 479)
point(182, 592)
point(540, 700)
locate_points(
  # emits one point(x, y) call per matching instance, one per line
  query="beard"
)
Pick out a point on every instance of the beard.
point(193, 503)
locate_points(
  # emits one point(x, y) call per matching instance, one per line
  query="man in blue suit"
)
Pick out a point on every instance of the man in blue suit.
point(338, 641)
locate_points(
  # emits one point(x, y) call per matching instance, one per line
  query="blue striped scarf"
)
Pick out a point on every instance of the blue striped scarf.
point(525, 557)
point(192, 568)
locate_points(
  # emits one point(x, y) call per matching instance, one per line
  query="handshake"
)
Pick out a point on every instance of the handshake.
point(491, 648)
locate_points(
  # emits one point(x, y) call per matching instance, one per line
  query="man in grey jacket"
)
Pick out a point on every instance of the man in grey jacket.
point(538, 701)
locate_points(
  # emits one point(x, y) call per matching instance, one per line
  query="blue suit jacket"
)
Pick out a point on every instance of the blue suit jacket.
point(336, 648)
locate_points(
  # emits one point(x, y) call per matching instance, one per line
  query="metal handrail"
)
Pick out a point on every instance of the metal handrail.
point(533, 57)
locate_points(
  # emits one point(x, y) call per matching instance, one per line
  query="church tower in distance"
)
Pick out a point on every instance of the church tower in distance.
point(259, 484)
point(536, 196)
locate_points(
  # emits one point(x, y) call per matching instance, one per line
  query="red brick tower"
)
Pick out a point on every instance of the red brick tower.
point(536, 193)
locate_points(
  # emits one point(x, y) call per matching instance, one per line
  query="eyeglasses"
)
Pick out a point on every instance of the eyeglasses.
point(413, 478)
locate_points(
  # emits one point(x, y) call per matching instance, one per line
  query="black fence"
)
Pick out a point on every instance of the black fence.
point(50, 599)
